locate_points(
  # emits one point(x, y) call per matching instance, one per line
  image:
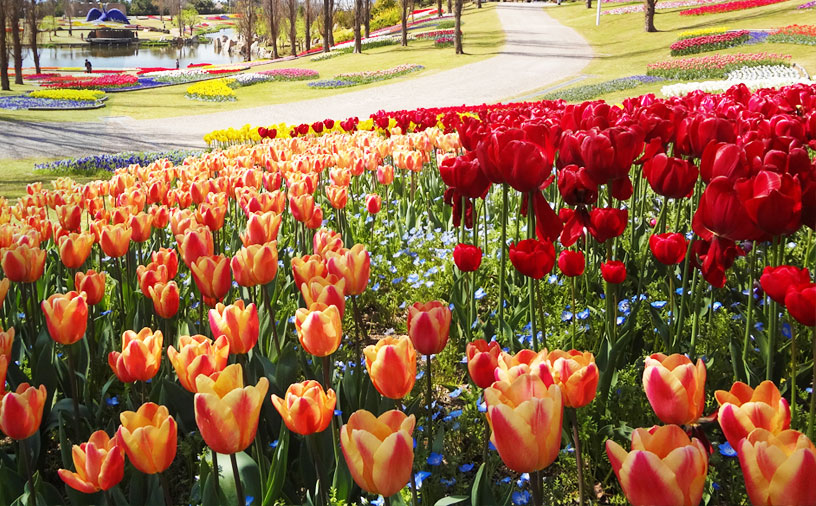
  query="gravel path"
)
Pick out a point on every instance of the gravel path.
point(538, 51)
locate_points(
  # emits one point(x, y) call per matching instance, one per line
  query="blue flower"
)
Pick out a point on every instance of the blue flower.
point(466, 468)
point(435, 459)
point(659, 304)
point(419, 477)
point(521, 497)
point(112, 401)
point(456, 393)
point(456, 413)
point(583, 315)
point(726, 450)
point(479, 294)
point(566, 316)
point(447, 482)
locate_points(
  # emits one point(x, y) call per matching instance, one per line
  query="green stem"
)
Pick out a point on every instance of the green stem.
point(503, 246)
point(574, 313)
point(749, 315)
point(73, 384)
point(535, 486)
point(166, 489)
point(813, 390)
point(429, 401)
point(531, 281)
point(239, 487)
point(576, 438)
point(673, 315)
point(793, 371)
point(29, 474)
point(215, 472)
point(271, 312)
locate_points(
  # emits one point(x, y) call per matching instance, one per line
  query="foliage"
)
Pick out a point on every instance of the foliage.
point(91, 165)
point(794, 34)
point(590, 91)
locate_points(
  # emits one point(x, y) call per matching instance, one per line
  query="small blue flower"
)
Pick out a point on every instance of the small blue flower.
point(583, 315)
point(456, 393)
point(726, 450)
point(479, 294)
point(659, 304)
point(466, 468)
point(435, 459)
point(274, 444)
point(521, 497)
point(419, 477)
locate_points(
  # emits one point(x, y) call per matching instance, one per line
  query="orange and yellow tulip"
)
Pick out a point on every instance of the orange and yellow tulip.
point(92, 284)
point(74, 249)
point(238, 322)
point(429, 326)
point(525, 413)
point(526, 361)
point(328, 290)
point(353, 265)
point(778, 469)
point(212, 276)
point(326, 240)
point(115, 239)
point(142, 226)
point(319, 329)
point(212, 216)
point(391, 365)
point(69, 217)
point(149, 436)
point(256, 264)
point(165, 298)
point(379, 451)
point(307, 267)
point(743, 409)
point(66, 315)
point(675, 387)
point(5, 284)
point(302, 207)
point(140, 358)
point(576, 374)
point(195, 243)
point(150, 274)
point(664, 468)
point(6, 342)
point(168, 258)
point(337, 196)
point(198, 355)
point(385, 174)
point(306, 408)
point(99, 463)
point(22, 263)
point(482, 360)
point(21, 411)
point(261, 228)
point(226, 411)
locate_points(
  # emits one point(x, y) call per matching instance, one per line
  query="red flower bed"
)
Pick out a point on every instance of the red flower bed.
point(806, 30)
point(728, 7)
point(93, 83)
point(709, 43)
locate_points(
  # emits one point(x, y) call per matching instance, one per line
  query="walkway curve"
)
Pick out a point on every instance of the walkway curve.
point(537, 51)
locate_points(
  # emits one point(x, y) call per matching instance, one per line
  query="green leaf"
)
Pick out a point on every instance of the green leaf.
point(277, 476)
point(454, 499)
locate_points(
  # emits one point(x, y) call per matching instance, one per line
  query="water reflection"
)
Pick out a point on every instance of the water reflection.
point(130, 56)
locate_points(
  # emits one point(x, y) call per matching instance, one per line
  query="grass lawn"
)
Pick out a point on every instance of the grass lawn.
point(618, 55)
point(482, 37)
point(18, 173)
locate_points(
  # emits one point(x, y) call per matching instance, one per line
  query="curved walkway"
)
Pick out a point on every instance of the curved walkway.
point(537, 51)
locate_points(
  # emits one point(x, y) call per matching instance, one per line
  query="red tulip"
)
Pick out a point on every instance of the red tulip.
point(606, 223)
point(721, 213)
point(373, 203)
point(491, 153)
point(576, 187)
point(613, 271)
point(463, 174)
point(429, 326)
point(467, 257)
point(801, 304)
point(778, 281)
point(482, 358)
point(671, 177)
point(668, 248)
point(608, 155)
point(571, 263)
point(773, 201)
point(533, 258)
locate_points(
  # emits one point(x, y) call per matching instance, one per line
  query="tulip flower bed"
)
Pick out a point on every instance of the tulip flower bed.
point(795, 34)
point(103, 82)
point(75, 95)
point(712, 66)
point(433, 34)
point(737, 5)
point(293, 74)
point(590, 91)
point(329, 313)
point(219, 90)
point(366, 77)
point(808, 5)
point(707, 43)
point(23, 102)
point(444, 41)
point(672, 4)
point(92, 165)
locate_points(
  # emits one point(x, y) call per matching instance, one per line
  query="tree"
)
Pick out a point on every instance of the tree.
point(650, 13)
point(69, 12)
point(49, 24)
point(589, 4)
point(272, 15)
point(4, 77)
point(246, 25)
point(32, 33)
point(292, 11)
point(457, 27)
point(358, 19)
point(307, 14)
point(186, 18)
point(439, 8)
point(367, 18)
point(161, 6)
point(404, 5)
point(327, 26)
point(17, 46)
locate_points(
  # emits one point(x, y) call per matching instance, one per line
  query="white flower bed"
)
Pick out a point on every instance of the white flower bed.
point(764, 72)
point(764, 76)
point(178, 76)
point(252, 78)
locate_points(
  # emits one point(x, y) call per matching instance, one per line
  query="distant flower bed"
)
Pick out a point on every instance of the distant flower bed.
point(23, 102)
point(212, 91)
point(76, 95)
point(591, 91)
point(738, 5)
point(95, 163)
point(332, 83)
point(92, 83)
point(795, 34)
point(690, 34)
point(435, 34)
point(764, 72)
point(808, 5)
point(676, 4)
point(709, 43)
point(712, 67)
point(444, 41)
point(293, 74)
point(755, 78)
point(325, 56)
point(252, 78)
point(36, 77)
point(358, 78)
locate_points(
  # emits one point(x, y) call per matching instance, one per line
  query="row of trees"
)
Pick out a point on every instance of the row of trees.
point(13, 15)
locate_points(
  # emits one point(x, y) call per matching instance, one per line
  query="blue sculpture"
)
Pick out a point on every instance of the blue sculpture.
point(113, 15)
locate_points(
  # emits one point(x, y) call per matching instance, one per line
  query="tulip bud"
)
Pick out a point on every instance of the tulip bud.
point(21, 411)
point(467, 257)
point(307, 267)
point(149, 436)
point(198, 355)
point(778, 469)
point(239, 323)
point(74, 249)
point(194, 244)
point(482, 358)
point(576, 374)
point(778, 281)
point(99, 463)
point(329, 291)
point(675, 387)
point(212, 276)
point(256, 264)
point(92, 284)
point(165, 298)
point(613, 271)
point(668, 248)
point(66, 316)
point(306, 408)
point(571, 263)
point(373, 203)
point(337, 196)
point(326, 240)
point(801, 304)
point(391, 365)
point(115, 240)
point(142, 226)
point(22, 263)
point(353, 265)
point(140, 358)
point(429, 326)
point(532, 258)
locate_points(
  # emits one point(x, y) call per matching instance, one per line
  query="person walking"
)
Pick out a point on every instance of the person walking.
point(88, 67)
point(177, 64)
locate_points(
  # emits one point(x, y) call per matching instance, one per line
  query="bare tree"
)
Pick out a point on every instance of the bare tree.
point(307, 14)
point(331, 24)
point(358, 19)
point(292, 11)
point(272, 16)
point(160, 5)
point(404, 5)
point(457, 26)
point(17, 46)
point(246, 25)
point(650, 14)
point(439, 8)
point(589, 4)
point(32, 33)
point(367, 18)
point(69, 12)
point(4, 77)
point(327, 25)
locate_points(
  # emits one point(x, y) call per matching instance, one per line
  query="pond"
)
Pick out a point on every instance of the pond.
point(129, 56)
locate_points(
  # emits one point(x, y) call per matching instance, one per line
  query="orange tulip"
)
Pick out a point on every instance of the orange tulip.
point(778, 469)
point(379, 451)
point(525, 414)
point(326, 240)
point(92, 284)
point(115, 240)
point(161, 216)
point(212, 276)
point(743, 409)
point(353, 265)
point(256, 264)
point(194, 244)
point(328, 290)
point(22, 263)
point(339, 177)
point(165, 298)
point(429, 326)
point(66, 315)
point(140, 358)
point(302, 207)
point(6, 342)
point(509, 367)
point(391, 365)
point(337, 195)
point(74, 249)
point(149, 436)
point(261, 228)
point(373, 203)
point(664, 468)
point(198, 355)
point(70, 217)
point(226, 411)
point(482, 359)
point(21, 411)
point(239, 323)
point(142, 226)
point(576, 374)
point(675, 387)
point(5, 283)
point(99, 463)
point(319, 329)
point(307, 267)
point(306, 408)
point(385, 174)
point(316, 221)
point(149, 275)
point(211, 215)
point(168, 258)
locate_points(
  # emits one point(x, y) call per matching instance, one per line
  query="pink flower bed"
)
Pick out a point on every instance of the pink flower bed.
point(729, 7)
point(93, 83)
point(709, 42)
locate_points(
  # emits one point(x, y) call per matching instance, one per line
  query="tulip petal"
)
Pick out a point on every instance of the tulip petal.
point(792, 484)
point(647, 481)
point(391, 472)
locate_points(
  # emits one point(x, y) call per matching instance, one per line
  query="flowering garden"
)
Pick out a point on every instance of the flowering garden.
point(531, 303)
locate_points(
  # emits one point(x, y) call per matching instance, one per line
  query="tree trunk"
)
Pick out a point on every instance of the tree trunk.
point(308, 32)
point(273, 27)
point(367, 18)
point(327, 26)
point(17, 46)
point(478, 4)
point(5, 85)
point(331, 16)
point(439, 8)
point(69, 12)
point(404, 22)
point(457, 27)
point(293, 26)
point(589, 4)
point(249, 15)
point(32, 36)
point(358, 21)
point(649, 15)
point(450, 7)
